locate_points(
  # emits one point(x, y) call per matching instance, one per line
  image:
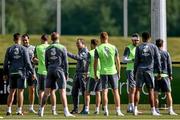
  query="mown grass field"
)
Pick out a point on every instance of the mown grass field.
point(70, 43)
point(144, 108)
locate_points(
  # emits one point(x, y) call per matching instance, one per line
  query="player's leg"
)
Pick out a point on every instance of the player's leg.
point(113, 80)
point(150, 84)
point(41, 87)
point(20, 95)
point(31, 98)
point(139, 83)
point(13, 87)
point(75, 95)
point(167, 89)
point(98, 89)
point(87, 96)
point(53, 101)
point(10, 100)
point(131, 88)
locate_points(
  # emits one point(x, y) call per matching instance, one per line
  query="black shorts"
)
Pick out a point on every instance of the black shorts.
point(16, 81)
point(93, 85)
point(163, 85)
point(146, 77)
point(41, 82)
point(111, 80)
point(56, 77)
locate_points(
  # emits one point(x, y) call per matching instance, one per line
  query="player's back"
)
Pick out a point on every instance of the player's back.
point(16, 58)
point(145, 55)
point(56, 57)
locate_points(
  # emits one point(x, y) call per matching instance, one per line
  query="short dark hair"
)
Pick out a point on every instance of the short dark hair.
point(135, 35)
point(94, 42)
point(159, 42)
point(54, 36)
point(145, 36)
point(16, 36)
point(44, 37)
point(81, 40)
point(104, 35)
point(25, 35)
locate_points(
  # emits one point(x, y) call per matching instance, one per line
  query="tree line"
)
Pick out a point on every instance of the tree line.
point(86, 17)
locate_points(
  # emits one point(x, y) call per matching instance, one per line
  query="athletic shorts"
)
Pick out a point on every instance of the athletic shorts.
point(146, 77)
point(163, 85)
point(56, 76)
point(16, 81)
point(109, 80)
point(41, 82)
point(130, 79)
point(93, 85)
point(30, 81)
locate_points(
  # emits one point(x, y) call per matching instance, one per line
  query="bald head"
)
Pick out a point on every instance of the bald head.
point(55, 36)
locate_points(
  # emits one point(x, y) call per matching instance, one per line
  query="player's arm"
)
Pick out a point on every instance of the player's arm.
point(65, 64)
point(28, 64)
point(5, 66)
point(35, 58)
point(46, 59)
point(96, 56)
point(136, 60)
point(118, 65)
point(81, 56)
point(87, 64)
point(126, 55)
point(158, 61)
point(169, 66)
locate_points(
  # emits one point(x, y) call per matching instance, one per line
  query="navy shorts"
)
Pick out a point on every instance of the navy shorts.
point(56, 76)
point(41, 82)
point(109, 80)
point(16, 81)
point(163, 85)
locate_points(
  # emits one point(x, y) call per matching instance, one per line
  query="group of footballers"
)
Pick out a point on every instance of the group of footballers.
point(96, 70)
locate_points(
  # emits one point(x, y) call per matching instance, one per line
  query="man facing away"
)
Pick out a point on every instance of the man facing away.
point(128, 57)
point(39, 57)
point(57, 72)
point(15, 64)
point(146, 54)
point(164, 84)
point(109, 71)
point(91, 83)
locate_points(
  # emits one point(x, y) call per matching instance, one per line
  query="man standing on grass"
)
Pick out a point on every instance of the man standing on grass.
point(91, 83)
point(109, 71)
point(128, 57)
point(31, 83)
point(15, 64)
point(164, 84)
point(145, 57)
point(79, 83)
point(39, 57)
point(57, 72)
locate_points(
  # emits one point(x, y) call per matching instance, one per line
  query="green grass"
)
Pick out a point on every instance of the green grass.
point(144, 108)
point(70, 43)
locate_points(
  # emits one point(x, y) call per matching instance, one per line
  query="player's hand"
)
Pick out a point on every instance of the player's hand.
point(96, 78)
point(159, 77)
point(5, 77)
point(33, 77)
point(170, 78)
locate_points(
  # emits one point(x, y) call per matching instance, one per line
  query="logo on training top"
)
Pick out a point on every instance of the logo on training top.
point(16, 53)
point(106, 51)
point(145, 51)
point(53, 54)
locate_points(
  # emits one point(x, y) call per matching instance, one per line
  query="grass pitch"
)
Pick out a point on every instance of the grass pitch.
point(47, 115)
